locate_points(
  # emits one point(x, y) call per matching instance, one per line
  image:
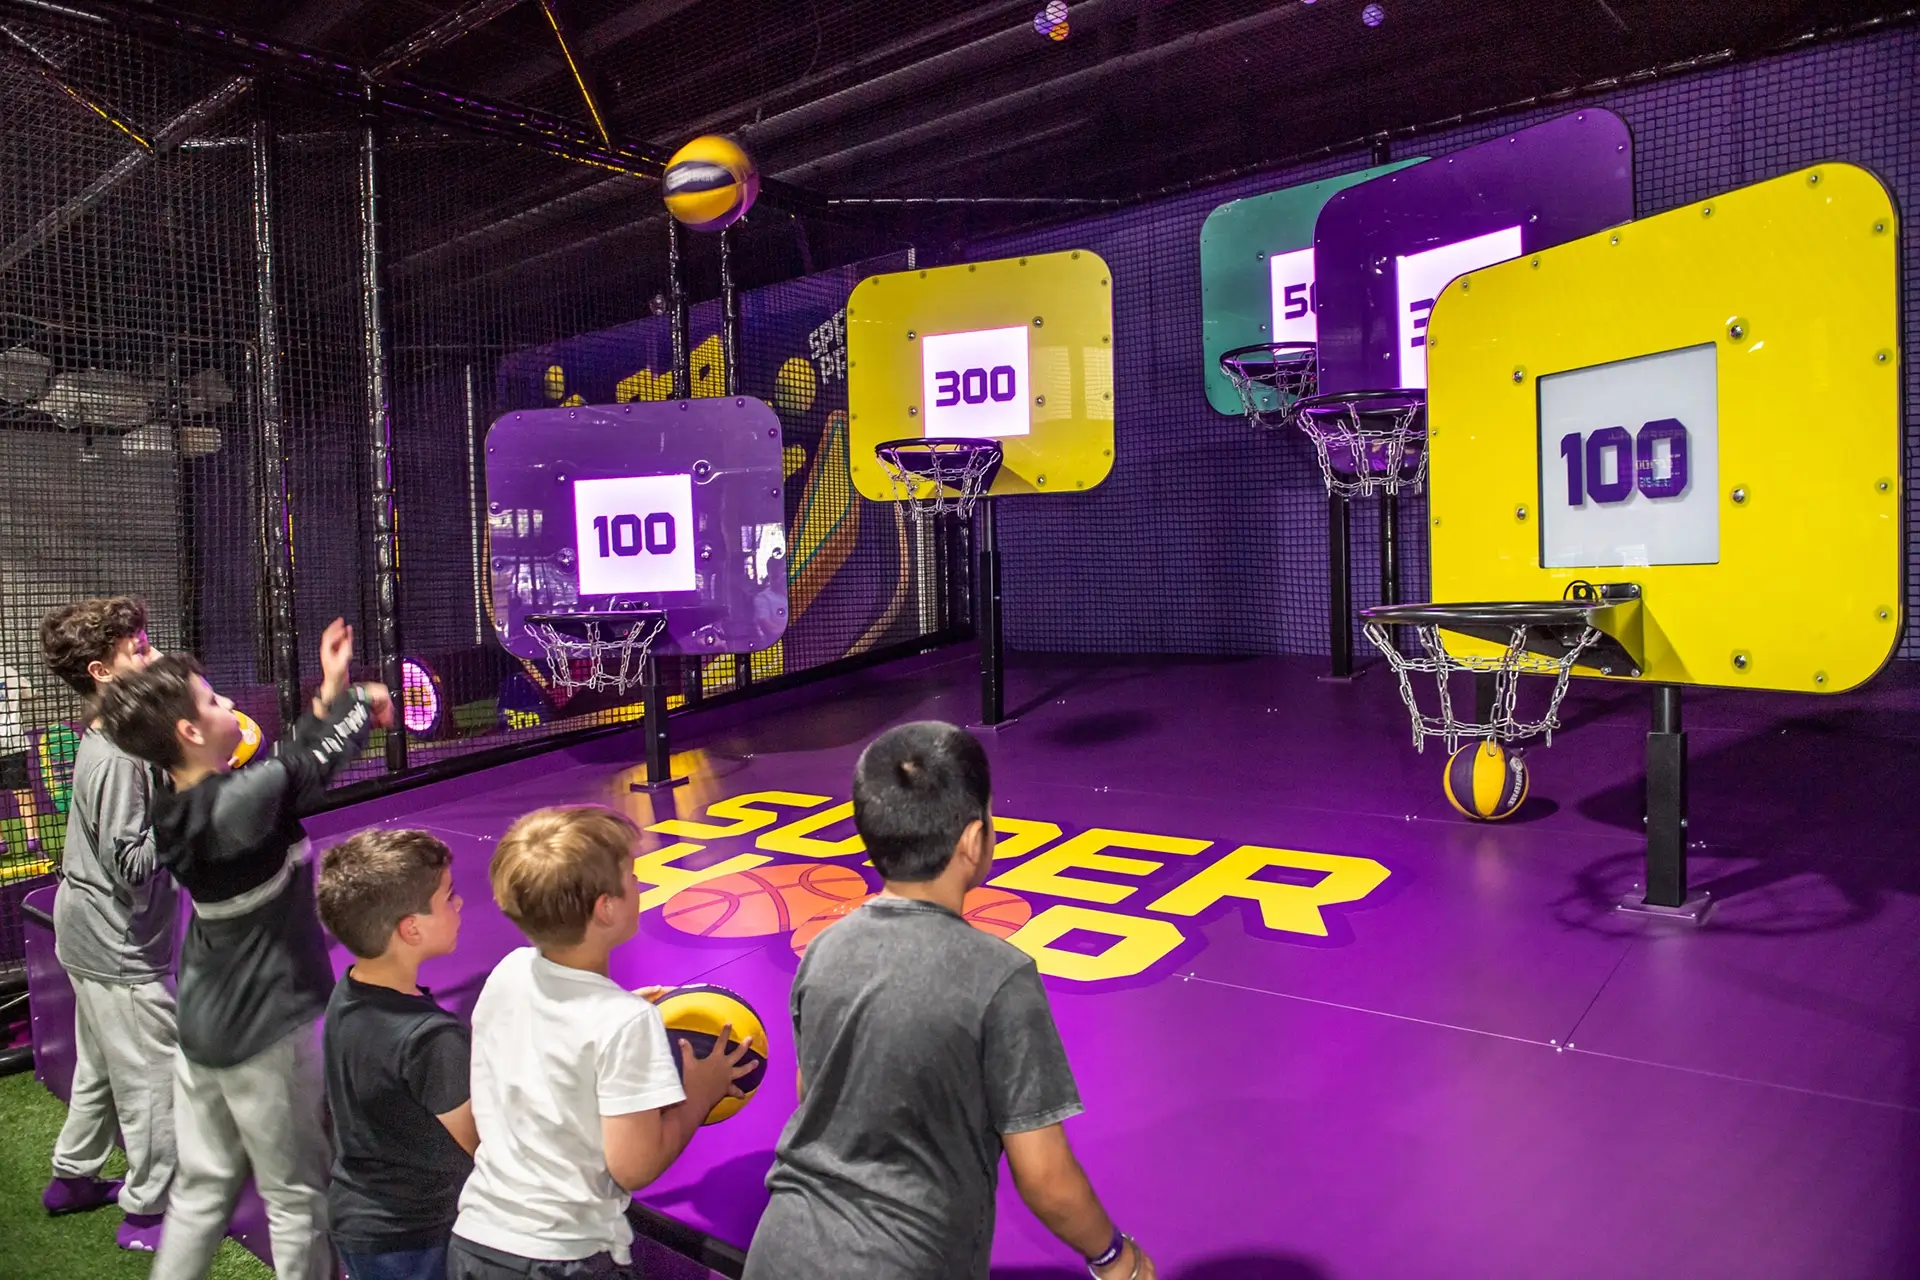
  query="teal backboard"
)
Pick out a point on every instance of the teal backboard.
point(1256, 272)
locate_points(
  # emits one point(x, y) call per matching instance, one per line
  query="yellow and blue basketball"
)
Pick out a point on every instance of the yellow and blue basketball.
point(249, 739)
point(696, 1014)
point(710, 183)
point(1486, 781)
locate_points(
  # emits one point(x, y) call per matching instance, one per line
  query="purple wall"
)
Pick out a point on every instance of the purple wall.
point(1208, 539)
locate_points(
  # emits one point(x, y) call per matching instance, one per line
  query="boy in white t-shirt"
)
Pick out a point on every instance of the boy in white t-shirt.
point(575, 1094)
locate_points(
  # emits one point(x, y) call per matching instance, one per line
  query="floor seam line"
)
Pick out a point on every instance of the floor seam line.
point(1604, 984)
point(1378, 1013)
point(1906, 1108)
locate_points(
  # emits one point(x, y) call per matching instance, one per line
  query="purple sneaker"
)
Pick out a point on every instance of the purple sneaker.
point(141, 1232)
point(77, 1195)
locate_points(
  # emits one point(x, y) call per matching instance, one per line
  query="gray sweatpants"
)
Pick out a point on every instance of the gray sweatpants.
point(269, 1113)
point(123, 1042)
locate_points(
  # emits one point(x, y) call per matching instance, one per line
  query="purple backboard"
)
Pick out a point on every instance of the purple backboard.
point(675, 506)
point(1385, 249)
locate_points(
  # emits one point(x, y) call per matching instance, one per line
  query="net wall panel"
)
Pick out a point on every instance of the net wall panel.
point(125, 312)
point(1210, 539)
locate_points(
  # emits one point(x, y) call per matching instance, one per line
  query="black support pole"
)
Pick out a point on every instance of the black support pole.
point(677, 311)
point(729, 319)
point(1340, 584)
point(377, 337)
point(275, 506)
point(653, 721)
point(1389, 548)
point(477, 503)
point(692, 671)
point(730, 383)
point(987, 585)
point(1666, 802)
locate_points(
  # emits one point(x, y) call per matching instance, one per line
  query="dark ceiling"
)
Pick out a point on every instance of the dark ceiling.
point(949, 98)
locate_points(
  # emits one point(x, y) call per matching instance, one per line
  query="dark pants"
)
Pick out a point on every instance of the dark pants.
point(407, 1264)
point(469, 1261)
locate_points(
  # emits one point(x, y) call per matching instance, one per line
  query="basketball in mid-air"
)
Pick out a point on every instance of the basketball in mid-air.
point(697, 1014)
point(710, 183)
point(1486, 781)
point(249, 739)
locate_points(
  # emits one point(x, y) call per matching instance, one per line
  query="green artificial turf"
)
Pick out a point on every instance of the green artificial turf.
point(79, 1246)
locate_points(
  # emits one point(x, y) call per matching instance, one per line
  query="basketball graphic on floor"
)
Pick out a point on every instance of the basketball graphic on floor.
point(994, 910)
point(764, 901)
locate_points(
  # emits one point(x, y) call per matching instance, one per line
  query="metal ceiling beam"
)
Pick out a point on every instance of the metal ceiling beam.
point(1035, 96)
point(858, 65)
point(576, 67)
point(164, 139)
point(331, 74)
point(43, 64)
point(453, 27)
point(989, 51)
point(629, 21)
point(466, 112)
point(575, 203)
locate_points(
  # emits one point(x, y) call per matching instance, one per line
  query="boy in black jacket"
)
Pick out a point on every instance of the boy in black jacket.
point(254, 975)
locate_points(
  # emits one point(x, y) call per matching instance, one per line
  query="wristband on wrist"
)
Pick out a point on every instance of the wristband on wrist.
point(1114, 1249)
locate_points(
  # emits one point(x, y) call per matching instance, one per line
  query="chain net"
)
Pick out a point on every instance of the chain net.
point(1504, 723)
point(1272, 378)
point(584, 658)
point(934, 477)
point(1368, 441)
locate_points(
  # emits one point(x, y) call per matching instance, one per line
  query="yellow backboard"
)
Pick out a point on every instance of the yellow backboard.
point(1706, 403)
point(1019, 350)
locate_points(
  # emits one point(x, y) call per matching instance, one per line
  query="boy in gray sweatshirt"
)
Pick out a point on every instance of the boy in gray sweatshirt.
point(113, 918)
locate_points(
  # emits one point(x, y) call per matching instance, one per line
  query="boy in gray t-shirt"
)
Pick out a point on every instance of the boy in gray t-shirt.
point(113, 931)
point(926, 1047)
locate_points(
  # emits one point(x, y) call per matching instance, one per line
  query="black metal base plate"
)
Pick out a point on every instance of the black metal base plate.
point(1693, 911)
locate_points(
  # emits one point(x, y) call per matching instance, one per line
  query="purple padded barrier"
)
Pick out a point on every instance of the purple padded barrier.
point(49, 997)
point(1520, 193)
point(679, 506)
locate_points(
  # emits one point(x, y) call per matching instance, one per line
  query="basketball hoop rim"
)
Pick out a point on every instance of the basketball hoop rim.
point(1302, 351)
point(595, 615)
point(1393, 399)
point(931, 444)
point(1488, 613)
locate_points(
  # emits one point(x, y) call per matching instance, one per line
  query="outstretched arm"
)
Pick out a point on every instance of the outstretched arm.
point(1055, 1187)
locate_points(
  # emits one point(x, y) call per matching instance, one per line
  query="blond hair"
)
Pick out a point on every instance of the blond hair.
point(554, 864)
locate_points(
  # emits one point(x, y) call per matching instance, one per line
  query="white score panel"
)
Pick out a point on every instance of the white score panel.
point(976, 384)
point(1630, 462)
point(1419, 279)
point(634, 535)
point(1294, 302)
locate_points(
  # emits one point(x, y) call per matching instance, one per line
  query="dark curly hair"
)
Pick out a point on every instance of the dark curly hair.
point(75, 636)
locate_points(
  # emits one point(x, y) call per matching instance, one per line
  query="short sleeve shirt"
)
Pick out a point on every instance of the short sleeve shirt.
point(395, 1064)
point(555, 1049)
point(921, 1040)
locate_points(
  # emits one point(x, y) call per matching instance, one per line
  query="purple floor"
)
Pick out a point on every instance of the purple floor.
point(1477, 1068)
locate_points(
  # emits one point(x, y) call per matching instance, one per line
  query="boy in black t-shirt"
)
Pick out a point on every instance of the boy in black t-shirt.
point(403, 1126)
point(254, 973)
